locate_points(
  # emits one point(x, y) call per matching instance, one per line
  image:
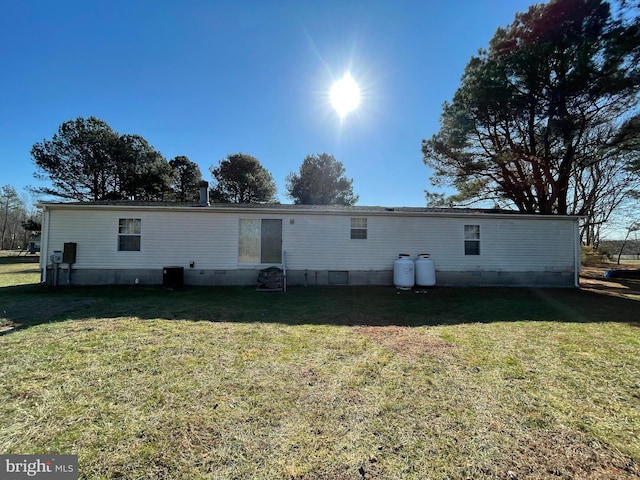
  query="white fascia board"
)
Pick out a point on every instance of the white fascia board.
point(360, 211)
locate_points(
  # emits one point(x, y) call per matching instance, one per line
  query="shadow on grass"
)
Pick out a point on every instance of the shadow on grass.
point(29, 305)
point(22, 258)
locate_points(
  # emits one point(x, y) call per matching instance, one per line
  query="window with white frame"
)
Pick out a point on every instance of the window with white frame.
point(358, 228)
point(260, 240)
point(129, 233)
point(472, 239)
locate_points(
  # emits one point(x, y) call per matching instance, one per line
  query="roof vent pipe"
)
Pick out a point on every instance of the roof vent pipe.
point(204, 194)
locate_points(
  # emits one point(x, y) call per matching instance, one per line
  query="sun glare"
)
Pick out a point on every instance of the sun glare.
point(345, 95)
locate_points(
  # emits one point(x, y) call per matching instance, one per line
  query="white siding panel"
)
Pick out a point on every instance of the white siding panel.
point(167, 238)
point(323, 242)
point(314, 241)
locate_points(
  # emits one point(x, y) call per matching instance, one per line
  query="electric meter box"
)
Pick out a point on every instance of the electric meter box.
point(69, 253)
point(56, 257)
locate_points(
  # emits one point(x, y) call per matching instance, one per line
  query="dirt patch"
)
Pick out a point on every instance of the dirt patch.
point(404, 341)
point(566, 454)
point(593, 279)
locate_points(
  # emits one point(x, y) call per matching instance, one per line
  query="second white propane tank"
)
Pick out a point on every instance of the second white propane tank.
point(425, 271)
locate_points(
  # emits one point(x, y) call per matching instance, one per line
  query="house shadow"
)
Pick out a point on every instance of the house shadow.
point(20, 257)
point(598, 300)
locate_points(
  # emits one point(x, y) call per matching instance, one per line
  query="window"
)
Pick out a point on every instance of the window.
point(129, 234)
point(260, 241)
point(359, 228)
point(472, 239)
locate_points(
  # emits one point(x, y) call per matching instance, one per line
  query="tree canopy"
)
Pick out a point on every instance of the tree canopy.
point(142, 172)
point(31, 225)
point(546, 119)
point(241, 178)
point(86, 160)
point(186, 178)
point(321, 180)
point(78, 160)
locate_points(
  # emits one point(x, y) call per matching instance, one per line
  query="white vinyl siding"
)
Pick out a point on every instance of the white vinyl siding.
point(317, 242)
point(169, 238)
point(312, 240)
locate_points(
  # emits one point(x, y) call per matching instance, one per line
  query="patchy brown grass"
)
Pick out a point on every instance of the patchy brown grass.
point(566, 454)
point(409, 343)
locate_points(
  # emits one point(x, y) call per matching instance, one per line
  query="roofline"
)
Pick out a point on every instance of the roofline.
point(289, 209)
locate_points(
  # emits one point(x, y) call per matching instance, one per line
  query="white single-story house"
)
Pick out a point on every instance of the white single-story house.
point(222, 244)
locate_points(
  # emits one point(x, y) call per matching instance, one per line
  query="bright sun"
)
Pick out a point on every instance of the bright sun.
point(345, 95)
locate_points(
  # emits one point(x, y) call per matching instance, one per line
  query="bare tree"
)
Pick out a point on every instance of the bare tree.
point(12, 214)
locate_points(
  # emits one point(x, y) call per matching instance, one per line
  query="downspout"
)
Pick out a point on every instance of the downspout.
point(44, 244)
point(576, 246)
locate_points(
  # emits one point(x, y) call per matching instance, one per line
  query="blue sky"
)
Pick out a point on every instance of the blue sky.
point(209, 78)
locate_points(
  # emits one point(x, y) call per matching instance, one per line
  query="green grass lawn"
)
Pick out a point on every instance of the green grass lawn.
point(16, 270)
point(321, 383)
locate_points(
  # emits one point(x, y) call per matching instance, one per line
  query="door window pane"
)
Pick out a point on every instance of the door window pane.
point(271, 241)
point(249, 241)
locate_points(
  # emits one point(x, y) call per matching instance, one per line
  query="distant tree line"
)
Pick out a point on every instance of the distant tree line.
point(17, 222)
point(87, 161)
point(629, 248)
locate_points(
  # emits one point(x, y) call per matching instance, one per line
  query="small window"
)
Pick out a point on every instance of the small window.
point(472, 239)
point(358, 228)
point(129, 234)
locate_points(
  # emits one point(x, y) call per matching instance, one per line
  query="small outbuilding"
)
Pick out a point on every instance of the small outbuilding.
point(223, 244)
point(34, 244)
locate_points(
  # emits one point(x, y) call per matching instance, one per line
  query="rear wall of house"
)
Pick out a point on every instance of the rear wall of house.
point(319, 249)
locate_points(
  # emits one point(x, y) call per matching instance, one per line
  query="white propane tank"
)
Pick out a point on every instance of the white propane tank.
point(425, 271)
point(403, 272)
